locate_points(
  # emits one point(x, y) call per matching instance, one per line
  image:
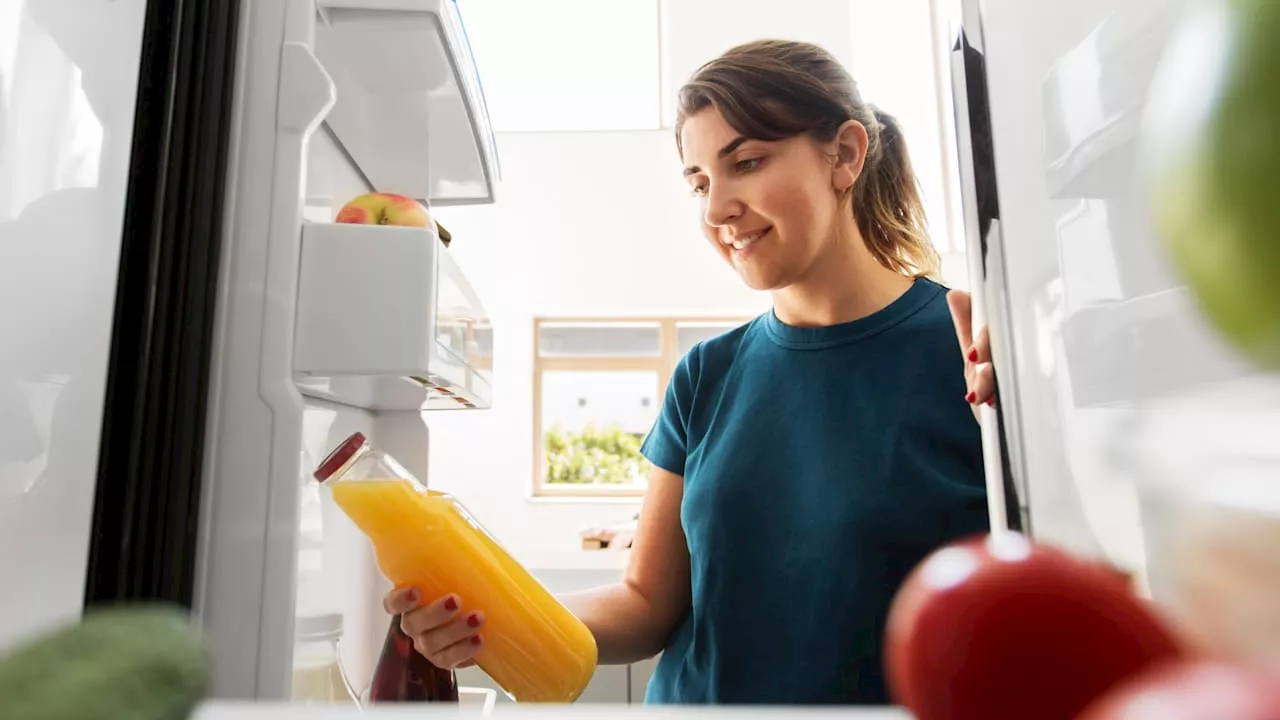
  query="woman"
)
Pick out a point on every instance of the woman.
point(805, 462)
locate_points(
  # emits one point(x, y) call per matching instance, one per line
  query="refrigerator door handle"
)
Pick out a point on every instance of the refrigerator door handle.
point(980, 207)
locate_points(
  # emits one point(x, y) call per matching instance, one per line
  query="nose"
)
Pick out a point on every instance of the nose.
point(722, 206)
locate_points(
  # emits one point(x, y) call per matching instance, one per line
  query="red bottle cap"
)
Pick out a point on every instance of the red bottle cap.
point(339, 456)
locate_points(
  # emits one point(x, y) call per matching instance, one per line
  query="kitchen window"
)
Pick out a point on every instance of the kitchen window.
point(597, 388)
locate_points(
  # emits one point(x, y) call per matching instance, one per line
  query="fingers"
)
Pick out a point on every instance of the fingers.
point(452, 644)
point(962, 317)
point(401, 600)
point(978, 373)
point(441, 632)
point(458, 655)
point(437, 613)
point(982, 386)
point(975, 349)
point(980, 352)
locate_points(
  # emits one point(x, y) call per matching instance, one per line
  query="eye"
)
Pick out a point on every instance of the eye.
point(747, 165)
point(698, 190)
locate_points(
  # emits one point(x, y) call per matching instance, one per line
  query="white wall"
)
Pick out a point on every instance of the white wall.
point(602, 223)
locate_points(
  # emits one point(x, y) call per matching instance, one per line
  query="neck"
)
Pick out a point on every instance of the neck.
point(845, 284)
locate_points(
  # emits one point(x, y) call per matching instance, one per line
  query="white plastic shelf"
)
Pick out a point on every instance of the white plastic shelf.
point(1126, 352)
point(410, 111)
point(387, 321)
point(1094, 97)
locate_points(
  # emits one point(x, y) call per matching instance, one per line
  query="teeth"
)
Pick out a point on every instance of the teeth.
point(745, 241)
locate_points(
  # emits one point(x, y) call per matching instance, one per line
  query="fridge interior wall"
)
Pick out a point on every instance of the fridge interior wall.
point(1099, 330)
point(339, 572)
point(336, 568)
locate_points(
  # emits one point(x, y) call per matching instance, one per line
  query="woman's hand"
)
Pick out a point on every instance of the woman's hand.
point(979, 376)
point(444, 635)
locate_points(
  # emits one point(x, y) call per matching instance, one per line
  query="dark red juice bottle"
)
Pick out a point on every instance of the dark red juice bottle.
point(404, 675)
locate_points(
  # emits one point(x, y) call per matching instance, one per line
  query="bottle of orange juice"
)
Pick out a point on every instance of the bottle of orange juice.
point(534, 648)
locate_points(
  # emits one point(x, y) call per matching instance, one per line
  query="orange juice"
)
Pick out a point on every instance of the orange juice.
point(534, 648)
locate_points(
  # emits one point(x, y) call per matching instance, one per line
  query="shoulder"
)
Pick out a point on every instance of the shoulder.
point(714, 356)
point(933, 317)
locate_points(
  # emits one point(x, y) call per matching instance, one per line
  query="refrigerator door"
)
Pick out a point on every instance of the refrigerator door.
point(150, 464)
point(1088, 324)
point(112, 129)
point(246, 580)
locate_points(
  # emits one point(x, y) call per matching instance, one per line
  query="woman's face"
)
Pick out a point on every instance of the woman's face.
point(770, 208)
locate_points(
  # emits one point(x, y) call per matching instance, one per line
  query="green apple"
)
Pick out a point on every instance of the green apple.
point(1210, 159)
point(380, 208)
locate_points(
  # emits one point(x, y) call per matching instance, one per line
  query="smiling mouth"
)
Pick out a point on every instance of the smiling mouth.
point(746, 241)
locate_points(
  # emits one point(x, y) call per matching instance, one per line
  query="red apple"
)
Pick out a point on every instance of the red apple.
point(1191, 690)
point(996, 627)
point(385, 209)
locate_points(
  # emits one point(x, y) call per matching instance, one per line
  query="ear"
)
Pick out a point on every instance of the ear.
point(850, 151)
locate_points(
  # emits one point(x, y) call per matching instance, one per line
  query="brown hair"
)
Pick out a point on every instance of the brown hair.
point(776, 89)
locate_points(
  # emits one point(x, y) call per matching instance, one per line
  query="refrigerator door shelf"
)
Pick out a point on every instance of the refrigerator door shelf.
point(410, 112)
point(1093, 100)
point(1125, 352)
point(387, 321)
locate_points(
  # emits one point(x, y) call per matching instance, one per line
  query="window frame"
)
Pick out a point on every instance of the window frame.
point(664, 364)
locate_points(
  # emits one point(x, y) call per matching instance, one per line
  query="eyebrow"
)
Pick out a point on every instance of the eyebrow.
point(733, 145)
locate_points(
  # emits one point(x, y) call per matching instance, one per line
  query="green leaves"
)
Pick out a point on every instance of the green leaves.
point(594, 456)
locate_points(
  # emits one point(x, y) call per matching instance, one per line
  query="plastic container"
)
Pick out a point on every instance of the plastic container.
point(318, 677)
point(534, 648)
point(1208, 470)
point(403, 675)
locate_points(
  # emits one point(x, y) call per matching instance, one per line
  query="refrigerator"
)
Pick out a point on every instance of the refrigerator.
point(1122, 413)
point(186, 331)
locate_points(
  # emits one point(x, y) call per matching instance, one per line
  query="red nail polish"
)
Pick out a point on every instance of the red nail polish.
point(451, 604)
point(973, 354)
point(473, 620)
point(971, 397)
point(475, 639)
point(991, 402)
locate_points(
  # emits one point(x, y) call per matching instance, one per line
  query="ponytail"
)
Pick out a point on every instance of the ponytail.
point(887, 203)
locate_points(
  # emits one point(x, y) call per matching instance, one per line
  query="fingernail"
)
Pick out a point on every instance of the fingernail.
point(971, 397)
point(475, 639)
point(991, 402)
point(412, 595)
point(473, 620)
point(973, 354)
point(451, 604)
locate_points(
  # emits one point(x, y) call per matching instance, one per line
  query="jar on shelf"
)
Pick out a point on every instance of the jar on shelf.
point(318, 677)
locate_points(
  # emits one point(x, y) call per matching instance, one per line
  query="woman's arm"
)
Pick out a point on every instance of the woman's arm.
point(632, 620)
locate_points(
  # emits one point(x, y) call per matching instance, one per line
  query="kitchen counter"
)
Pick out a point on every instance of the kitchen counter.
point(259, 711)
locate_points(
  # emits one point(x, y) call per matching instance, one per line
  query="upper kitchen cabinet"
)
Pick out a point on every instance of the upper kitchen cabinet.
point(410, 112)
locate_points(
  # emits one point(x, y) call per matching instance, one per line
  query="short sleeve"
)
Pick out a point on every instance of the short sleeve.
point(667, 444)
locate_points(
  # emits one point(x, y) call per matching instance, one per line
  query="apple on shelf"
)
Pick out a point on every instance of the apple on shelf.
point(384, 208)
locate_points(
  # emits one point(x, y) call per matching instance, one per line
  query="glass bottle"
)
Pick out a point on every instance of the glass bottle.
point(531, 645)
point(404, 675)
point(318, 677)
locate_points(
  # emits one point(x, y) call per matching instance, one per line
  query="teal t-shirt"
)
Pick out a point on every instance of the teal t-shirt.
point(820, 466)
